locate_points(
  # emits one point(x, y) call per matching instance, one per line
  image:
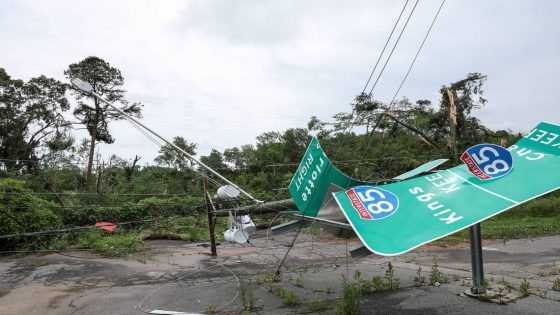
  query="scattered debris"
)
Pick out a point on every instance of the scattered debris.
point(108, 227)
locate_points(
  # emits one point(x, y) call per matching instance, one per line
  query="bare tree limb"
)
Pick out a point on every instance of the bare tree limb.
point(422, 135)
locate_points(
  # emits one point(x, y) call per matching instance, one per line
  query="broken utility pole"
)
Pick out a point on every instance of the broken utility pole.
point(210, 209)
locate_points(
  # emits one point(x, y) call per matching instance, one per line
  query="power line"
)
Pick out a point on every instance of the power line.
point(411, 65)
point(384, 47)
point(46, 232)
point(394, 47)
point(418, 52)
point(172, 152)
point(354, 118)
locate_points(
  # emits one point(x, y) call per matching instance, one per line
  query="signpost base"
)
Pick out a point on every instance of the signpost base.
point(476, 260)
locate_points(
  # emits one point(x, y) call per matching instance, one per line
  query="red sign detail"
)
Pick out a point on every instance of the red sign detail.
point(107, 227)
point(357, 204)
point(466, 158)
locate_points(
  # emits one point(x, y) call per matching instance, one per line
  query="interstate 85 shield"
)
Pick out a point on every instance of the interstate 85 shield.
point(488, 161)
point(373, 203)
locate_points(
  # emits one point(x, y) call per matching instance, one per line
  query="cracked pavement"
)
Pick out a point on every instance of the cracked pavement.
point(179, 276)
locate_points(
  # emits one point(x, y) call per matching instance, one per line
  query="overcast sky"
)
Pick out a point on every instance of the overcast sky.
point(219, 73)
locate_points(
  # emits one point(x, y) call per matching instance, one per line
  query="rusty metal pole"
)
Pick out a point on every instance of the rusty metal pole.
point(210, 209)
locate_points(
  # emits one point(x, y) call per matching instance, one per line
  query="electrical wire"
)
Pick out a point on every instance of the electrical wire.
point(139, 306)
point(418, 52)
point(391, 104)
point(349, 125)
point(172, 152)
point(394, 47)
point(240, 197)
point(385, 47)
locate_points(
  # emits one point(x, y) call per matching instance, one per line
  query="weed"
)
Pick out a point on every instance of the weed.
point(419, 279)
point(392, 283)
point(365, 287)
point(358, 280)
point(247, 295)
point(556, 285)
point(524, 288)
point(329, 290)
point(349, 302)
point(377, 283)
point(485, 284)
point(211, 308)
point(299, 282)
point(436, 276)
point(506, 283)
point(288, 297)
point(269, 287)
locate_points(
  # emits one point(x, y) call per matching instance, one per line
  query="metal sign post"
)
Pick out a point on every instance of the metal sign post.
point(476, 260)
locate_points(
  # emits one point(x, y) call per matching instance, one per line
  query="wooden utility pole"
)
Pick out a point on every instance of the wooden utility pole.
point(452, 140)
point(210, 209)
point(262, 208)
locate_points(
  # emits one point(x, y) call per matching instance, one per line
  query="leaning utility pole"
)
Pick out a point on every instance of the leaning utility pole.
point(210, 209)
point(88, 89)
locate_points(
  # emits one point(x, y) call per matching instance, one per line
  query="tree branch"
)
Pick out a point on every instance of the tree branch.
point(411, 128)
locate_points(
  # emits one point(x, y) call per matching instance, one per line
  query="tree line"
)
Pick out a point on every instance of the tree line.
point(50, 180)
point(371, 140)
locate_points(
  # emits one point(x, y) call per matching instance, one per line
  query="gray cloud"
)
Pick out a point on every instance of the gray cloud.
point(221, 72)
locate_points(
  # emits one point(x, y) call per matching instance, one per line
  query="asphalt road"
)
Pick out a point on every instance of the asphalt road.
point(178, 276)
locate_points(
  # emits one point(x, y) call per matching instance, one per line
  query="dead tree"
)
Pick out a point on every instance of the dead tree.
point(129, 170)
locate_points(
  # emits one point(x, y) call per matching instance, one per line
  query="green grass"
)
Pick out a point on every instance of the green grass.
point(548, 206)
point(539, 217)
point(119, 244)
point(509, 228)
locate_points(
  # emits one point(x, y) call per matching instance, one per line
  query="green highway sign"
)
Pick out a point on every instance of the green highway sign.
point(314, 176)
point(394, 218)
point(421, 169)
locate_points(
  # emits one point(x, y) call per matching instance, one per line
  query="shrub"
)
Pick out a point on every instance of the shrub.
point(20, 212)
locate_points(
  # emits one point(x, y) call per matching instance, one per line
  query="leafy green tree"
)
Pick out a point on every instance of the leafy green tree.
point(170, 157)
point(215, 160)
point(240, 158)
point(4, 77)
point(295, 143)
point(106, 81)
point(31, 114)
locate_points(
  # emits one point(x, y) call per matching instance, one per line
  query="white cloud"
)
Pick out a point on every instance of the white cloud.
point(221, 72)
